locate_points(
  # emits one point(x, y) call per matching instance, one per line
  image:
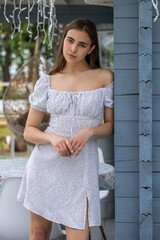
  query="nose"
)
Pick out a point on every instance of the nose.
point(74, 48)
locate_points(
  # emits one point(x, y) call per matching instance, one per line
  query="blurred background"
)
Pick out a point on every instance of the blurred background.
point(17, 53)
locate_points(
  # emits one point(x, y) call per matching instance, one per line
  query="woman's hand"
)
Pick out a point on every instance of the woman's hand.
point(62, 145)
point(80, 139)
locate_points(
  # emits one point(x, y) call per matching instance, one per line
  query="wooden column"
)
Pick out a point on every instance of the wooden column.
point(145, 120)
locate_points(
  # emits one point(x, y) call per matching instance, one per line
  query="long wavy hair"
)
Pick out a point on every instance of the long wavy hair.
point(93, 58)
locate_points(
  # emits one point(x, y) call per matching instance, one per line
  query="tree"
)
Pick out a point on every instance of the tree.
point(17, 51)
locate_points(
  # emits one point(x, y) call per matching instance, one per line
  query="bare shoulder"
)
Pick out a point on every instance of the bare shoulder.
point(106, 76)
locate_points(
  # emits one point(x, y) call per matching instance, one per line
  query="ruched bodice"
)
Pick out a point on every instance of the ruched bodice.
point(71, 111)
point(56, 187)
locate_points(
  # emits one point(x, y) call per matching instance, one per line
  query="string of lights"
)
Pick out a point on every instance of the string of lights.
point(46, 14)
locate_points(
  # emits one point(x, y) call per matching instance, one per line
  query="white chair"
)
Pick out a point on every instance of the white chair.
point(102, 193)
point(14, 218)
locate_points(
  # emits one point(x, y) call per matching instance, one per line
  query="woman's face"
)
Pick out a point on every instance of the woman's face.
point(77, 44)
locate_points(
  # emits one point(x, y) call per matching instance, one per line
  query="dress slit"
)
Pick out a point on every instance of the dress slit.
point(86, 208)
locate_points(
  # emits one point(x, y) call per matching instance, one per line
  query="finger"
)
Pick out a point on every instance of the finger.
point(59, 151)
point(66, 150)
point(62, 150)
point(79, 150)
point(69, 145)
point(76, 146)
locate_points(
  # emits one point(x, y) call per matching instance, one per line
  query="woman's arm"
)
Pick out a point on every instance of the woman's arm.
point(106, 129)
point(31, 132)
point(34, 135)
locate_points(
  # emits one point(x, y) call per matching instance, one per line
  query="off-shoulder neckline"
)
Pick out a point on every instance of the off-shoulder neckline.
point(85, 91)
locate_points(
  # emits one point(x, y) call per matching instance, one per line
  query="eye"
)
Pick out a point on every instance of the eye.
point(81, 45)
point(70, 40)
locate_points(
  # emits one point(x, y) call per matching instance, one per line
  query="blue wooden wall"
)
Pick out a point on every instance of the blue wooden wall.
point(127, 117)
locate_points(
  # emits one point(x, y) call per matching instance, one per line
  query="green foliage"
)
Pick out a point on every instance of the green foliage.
point(16, 94)
point(2, 145)
point(5, 131)
point(22, 46)
point(108, 54)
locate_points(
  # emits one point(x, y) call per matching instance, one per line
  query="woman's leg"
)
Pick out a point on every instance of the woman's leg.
point(77, 234)
point(40, 228)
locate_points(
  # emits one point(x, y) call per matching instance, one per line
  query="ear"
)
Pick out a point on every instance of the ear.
point(91, 49)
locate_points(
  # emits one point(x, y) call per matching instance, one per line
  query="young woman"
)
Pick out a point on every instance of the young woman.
point(60, 182)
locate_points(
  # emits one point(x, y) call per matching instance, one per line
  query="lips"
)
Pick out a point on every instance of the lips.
point(72, 56)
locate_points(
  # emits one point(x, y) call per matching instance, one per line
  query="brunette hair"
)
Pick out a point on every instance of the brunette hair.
point(93, 58)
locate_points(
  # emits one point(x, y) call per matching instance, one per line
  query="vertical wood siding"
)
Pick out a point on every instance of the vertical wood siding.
point(126, 141)
point(145, 120)
point(130, 202)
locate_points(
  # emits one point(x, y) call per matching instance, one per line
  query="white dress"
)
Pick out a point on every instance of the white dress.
point(57, 187)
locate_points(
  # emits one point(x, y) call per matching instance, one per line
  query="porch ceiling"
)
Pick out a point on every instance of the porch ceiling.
point(57, 2)
point(68, 2)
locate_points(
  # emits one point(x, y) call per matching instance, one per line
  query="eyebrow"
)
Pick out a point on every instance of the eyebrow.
point(79, 42)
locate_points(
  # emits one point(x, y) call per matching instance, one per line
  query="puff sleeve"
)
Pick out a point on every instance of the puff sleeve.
point(38, 98)
point(109, 95)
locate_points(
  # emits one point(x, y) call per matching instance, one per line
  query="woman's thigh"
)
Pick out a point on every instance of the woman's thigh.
point(39, 225)
point(72, 233)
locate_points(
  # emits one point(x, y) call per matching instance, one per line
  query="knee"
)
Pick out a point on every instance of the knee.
point(38, 233)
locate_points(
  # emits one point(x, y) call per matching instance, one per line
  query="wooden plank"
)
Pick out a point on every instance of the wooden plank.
point(156, 210)
point(120, 48)
point(156, 231)
point(123, 34)
point(145, 121)
point(132, 165)
point(126, 184)
point(127, 159)
point(156, 108)
point(127, 210)
point(126, 82)
point(126, 133)
point(156, 134)
point(126, 61)
point(130, 61)
point(156, 32)
point(156, 190)
point(128, 9)
point(65, 14)
point(125, 9)
point(130, 231)
point(156, 154)
point(127, 231)
point(127, 107)
point(122, 28)
point(156, 82)
point(125, 3)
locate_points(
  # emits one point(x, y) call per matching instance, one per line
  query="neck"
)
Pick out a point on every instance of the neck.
point(75, 68)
